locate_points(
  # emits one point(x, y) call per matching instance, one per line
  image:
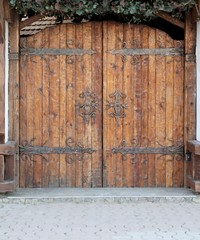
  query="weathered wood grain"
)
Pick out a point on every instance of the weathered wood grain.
point(1, 168)
point(160, 109)
point(45, 109)
point(54, 105)
point(62, 109)
point(169, 112)
point(151, 109)
point(70, 122)
point(146, 111)
point(37, 122)
point(97, 86)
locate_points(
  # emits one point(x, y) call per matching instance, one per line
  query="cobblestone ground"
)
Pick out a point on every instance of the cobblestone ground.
point(107, 221)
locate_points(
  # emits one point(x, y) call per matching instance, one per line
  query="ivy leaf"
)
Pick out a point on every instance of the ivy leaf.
point(79, 12)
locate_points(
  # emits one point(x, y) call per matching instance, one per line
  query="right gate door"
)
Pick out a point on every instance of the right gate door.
point(142, 107)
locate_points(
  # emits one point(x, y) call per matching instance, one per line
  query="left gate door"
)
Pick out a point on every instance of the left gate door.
point(61, 107)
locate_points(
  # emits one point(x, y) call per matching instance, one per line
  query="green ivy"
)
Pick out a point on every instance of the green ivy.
point(134, 11)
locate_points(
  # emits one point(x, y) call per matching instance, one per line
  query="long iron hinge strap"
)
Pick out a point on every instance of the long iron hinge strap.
point(54, 150)
point(56, 52)
point(169, 150)
point(147, 51)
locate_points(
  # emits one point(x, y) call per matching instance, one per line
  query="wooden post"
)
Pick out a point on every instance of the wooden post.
point(190, 92)
point(2, 74)
point(14, 86)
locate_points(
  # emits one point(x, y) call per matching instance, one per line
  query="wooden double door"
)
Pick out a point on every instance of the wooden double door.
point(101, 105)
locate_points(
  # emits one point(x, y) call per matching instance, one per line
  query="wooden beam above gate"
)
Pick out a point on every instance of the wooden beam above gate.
point(170, 19)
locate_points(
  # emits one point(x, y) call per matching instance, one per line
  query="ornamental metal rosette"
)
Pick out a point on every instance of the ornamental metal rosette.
point(117, 106)
point(89, 106)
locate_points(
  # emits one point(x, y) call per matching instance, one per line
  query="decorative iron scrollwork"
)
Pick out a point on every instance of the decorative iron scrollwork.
point(27, 150)
point(89, 106)
point(117, 106)
point(176, 150)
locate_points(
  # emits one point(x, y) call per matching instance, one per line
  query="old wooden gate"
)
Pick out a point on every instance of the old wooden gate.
point(101, 104)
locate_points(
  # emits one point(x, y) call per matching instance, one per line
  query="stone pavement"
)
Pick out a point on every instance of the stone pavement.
point(94, 220)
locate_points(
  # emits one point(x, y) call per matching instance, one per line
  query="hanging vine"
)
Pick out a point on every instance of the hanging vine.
point(130, 10)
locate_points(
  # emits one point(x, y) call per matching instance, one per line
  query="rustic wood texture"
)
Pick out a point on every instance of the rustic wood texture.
point(9, 167)
point(153, 85)
point(2, 73)
point(137, 103)
point(52, 107)
point(1, 168)
point(13, 131)
point(7, 186)
point(8, 149)
point(190, 89)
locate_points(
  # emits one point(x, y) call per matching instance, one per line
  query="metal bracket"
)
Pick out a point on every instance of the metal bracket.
point(188, 156)
point(14, 56)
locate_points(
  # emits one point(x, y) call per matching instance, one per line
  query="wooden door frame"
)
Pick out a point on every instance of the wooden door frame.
point(9, 70)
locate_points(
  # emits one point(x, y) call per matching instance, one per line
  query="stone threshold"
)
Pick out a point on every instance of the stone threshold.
point(81, 195)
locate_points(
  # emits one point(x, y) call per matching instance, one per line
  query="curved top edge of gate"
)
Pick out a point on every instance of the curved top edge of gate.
point(38, 27)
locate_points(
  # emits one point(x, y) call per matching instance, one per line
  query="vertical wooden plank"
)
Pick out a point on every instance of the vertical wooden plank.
point(37, 91)
point(178, 117)
point(97, 82)
point(118, 85)
point(54, 89)
point(80, 128)
point(160, 109)
point(189, 88)
point(128, 166)
point(109, 123)
point(152, 108)
point(23, 114)
point(138, 110)
point(45, 110)
point(70, 103)
point(62, 110)
point(2, 73)
point(144, 107)
point(30, 78)
point(87, 85)
point(190, 44)
point(169, 111)
point(13, 131)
